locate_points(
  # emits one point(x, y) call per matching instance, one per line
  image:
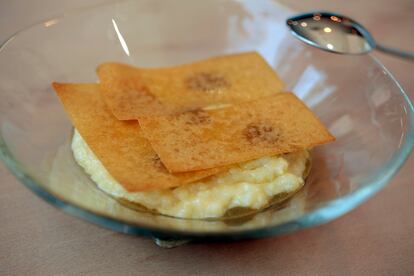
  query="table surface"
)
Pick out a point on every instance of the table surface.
point(375, 239)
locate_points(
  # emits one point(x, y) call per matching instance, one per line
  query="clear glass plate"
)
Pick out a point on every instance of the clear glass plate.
point(355, 96)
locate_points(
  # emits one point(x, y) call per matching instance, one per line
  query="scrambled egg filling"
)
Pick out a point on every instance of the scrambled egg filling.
point(250, 185)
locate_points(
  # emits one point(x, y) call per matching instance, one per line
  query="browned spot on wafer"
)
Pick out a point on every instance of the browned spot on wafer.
point(262, 132)
point(195, 117)
point(206, 82)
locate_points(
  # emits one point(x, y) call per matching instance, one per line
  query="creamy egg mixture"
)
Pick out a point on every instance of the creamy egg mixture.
point(250, 185)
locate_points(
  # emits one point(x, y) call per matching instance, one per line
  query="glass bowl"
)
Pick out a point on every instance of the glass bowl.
point(355, 96)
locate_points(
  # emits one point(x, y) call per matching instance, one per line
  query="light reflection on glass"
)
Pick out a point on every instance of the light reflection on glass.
point(121, 38)
point(329, 46)
point(50, 23)
point(342, 126)
point(380, 96)
point(401, 139)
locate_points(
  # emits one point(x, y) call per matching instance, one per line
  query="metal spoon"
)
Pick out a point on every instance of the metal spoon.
point(337, 33)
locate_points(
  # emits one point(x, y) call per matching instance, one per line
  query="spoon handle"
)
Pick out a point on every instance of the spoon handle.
point(395, 52)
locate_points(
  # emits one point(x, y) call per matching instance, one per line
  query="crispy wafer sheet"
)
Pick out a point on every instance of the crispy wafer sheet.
point(201, 139)
point(119, 145)
point(133, 92)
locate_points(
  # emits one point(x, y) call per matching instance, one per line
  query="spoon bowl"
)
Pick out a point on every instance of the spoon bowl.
point(337, 33)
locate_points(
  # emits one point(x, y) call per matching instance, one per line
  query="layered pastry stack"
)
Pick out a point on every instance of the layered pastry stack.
point(193, 141)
